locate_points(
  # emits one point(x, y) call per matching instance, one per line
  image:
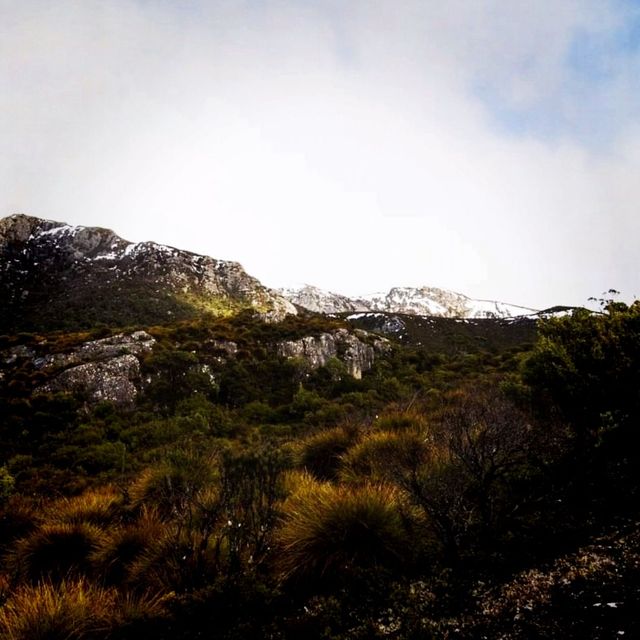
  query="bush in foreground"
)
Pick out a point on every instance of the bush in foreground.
point(55, 550)
point(330, 529)
point(76, 610)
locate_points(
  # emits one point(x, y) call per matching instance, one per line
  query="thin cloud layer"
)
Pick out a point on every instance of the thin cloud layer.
point(488, 147)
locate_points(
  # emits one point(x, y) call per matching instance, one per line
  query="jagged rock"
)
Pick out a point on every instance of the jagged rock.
point(357, 355)
point(113, 380)
point(137, 343)
point(317, 351)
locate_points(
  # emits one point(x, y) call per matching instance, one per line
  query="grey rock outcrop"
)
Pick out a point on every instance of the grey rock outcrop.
point(106, 369)
point(320, 301)
point(137, 343)
point(113, 380)
point(357, 355)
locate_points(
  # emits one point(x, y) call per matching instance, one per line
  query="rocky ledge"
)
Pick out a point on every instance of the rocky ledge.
point(99, 370)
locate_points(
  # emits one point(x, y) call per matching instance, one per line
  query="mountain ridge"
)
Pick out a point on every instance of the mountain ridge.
point(424, 301)
point(57, 275)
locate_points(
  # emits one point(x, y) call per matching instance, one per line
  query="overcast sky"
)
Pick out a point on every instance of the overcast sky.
point(491, 147)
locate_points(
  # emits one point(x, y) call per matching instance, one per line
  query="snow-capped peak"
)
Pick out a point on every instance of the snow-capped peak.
point(423, 301)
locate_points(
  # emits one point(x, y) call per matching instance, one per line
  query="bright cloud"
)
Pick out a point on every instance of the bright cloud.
point(488, 147)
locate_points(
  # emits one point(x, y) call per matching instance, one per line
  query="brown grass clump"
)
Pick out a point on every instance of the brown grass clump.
point(382, 455)
point(55, 551)
point(123, 545)
point(174, 484)
point(401, 421)
point(18, 517)
point(75, 610)
point(329, 529)
point(67, 611)
point(320, 454)
point(97, 506)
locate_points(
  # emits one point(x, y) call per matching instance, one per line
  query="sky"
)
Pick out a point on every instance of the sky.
point(490, 147)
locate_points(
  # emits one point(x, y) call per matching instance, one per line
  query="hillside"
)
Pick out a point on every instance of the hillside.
point(176, 464)
point(55, 276)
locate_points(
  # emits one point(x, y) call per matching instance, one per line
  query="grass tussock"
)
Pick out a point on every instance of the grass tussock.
point(320, 454)
point(68, 611)
point(18, 517)
point(75, 610)
point(170, 486)
point(122, 546)
point(177, 563)
point(100, 507)
point(383, 454)
point(328, 528)
point(395, 420)
point(55, 551)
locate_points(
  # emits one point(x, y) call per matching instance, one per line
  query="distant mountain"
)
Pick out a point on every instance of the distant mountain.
point(422, 301)
point(53, 275)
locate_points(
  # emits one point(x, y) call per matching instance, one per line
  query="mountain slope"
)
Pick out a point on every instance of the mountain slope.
point(422, 301)
point(54, 275)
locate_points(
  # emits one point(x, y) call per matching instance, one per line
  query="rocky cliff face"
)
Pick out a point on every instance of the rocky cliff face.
point(56, 275)
point(357, 355)
point(422, 301)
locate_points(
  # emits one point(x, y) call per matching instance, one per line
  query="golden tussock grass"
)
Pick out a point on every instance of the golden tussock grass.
point(327, 529)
